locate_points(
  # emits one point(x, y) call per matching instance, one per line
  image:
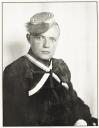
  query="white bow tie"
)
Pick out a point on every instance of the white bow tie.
point(44, 77)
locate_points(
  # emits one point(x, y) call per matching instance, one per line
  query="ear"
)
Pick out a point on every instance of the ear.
point(28, 37)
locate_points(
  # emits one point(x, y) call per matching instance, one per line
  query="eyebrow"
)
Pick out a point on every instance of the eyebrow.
point(51, 37)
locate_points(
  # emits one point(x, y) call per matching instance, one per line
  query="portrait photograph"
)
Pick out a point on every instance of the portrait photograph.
point(50, 63)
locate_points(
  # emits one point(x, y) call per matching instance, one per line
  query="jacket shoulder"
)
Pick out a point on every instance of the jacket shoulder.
point(15, 67)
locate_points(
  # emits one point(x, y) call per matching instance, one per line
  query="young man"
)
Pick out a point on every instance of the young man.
point(37, 88)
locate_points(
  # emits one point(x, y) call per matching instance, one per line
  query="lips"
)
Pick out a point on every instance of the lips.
point(45, 52)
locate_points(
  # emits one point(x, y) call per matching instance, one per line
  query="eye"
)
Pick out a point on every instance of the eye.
point(38, 37)
point(53, 39)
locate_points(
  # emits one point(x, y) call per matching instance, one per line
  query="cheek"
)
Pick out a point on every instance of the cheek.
point(54, 46)
point(35, 45)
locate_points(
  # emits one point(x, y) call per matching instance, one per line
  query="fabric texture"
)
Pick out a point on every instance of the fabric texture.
point(52, 105)
point(40, 23)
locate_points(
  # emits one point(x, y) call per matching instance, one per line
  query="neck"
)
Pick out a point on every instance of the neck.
point(45, 62)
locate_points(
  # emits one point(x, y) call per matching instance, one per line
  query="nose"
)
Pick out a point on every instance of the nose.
point(46, 43)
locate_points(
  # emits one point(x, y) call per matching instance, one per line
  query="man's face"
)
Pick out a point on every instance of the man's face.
point(44, 45)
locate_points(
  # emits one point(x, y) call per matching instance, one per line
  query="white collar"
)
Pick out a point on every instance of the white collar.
point(44, 77)
point(39, 64)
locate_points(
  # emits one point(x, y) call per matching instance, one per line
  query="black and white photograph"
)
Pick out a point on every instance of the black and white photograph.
point(50, 63)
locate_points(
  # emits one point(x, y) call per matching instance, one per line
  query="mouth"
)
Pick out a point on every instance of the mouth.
point(45, 52)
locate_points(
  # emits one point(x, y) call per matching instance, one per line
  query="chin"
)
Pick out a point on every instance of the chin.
point(45, 58)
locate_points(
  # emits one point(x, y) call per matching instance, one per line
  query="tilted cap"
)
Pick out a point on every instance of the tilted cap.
point(42, 17)
point(40, 23)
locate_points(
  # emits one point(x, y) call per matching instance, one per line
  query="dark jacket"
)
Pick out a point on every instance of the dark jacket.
point(52, 105)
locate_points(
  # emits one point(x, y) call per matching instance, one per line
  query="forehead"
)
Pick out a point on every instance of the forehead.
point(52, 32)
